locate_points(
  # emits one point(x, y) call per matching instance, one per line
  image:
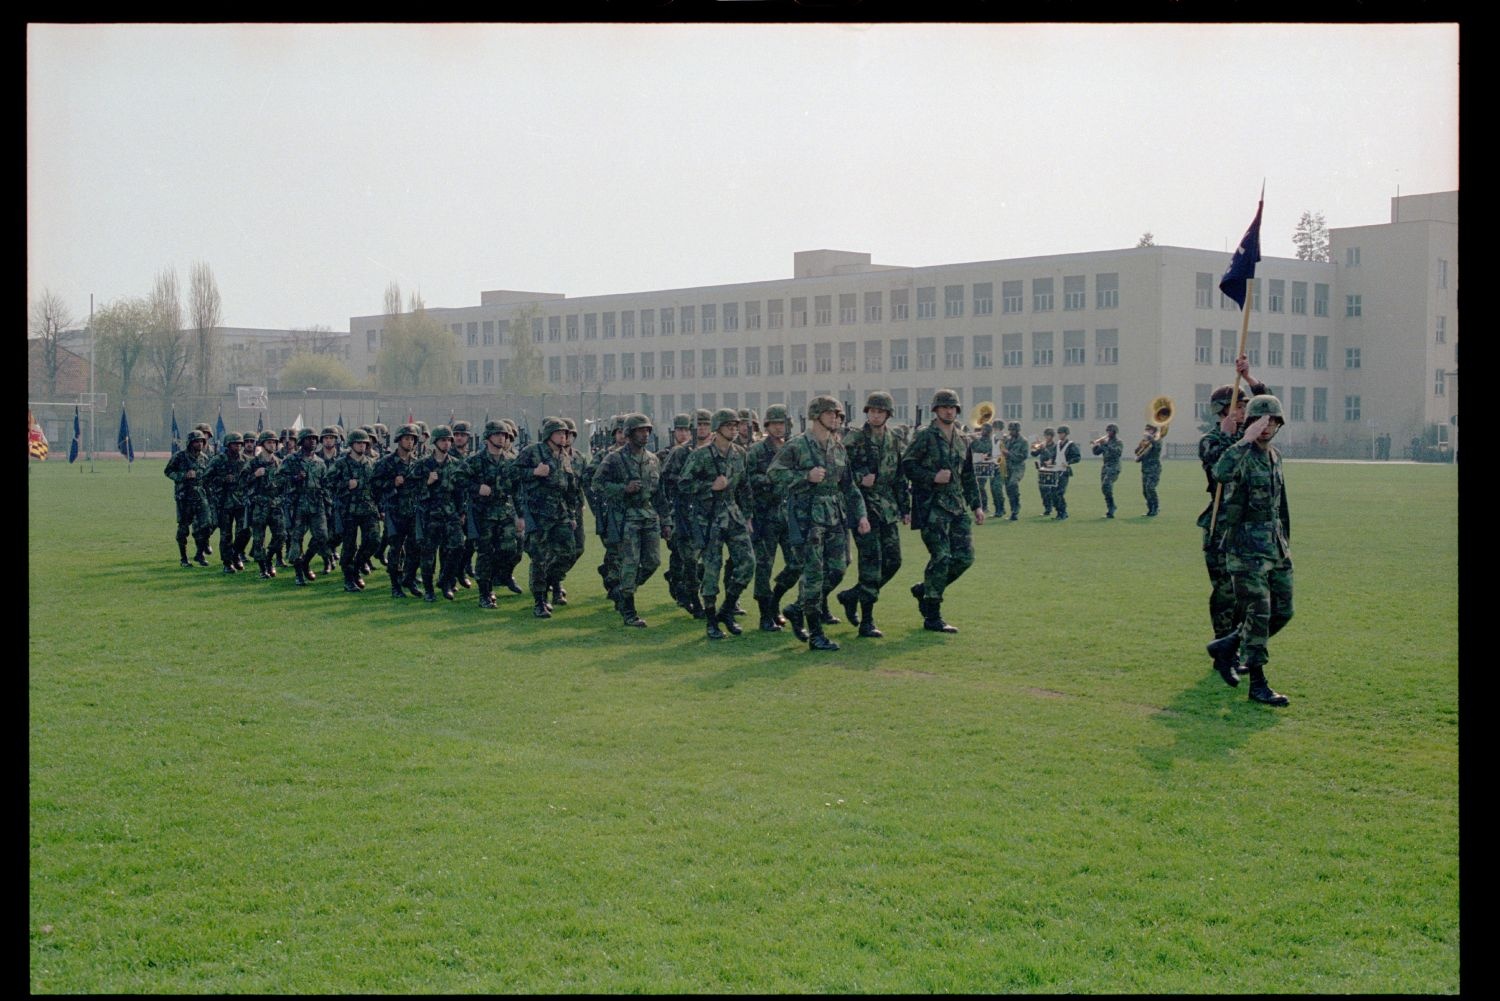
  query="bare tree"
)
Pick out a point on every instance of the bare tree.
point(317, 339)
point(417, 352)
point(168, 347)
point(205, 308)
point(120, 330)
point(49, 318)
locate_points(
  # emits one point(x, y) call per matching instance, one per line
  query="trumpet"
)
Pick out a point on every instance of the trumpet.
point(1101, 439)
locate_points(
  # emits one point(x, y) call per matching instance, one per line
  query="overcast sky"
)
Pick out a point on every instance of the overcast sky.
point(312, 165)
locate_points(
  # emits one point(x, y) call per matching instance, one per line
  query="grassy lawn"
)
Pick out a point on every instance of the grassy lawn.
point(244, 786)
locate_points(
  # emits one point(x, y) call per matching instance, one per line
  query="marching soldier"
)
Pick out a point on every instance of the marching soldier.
point(550, 495)
point(985, 449)
point(875, 461)
point(489, 488)
point(399, 490)
point(940, 467)
point(609, 567)
point(222, 481)
point(302, 478)
point(1066, 457)
point(1016, 450)
point(354, 499)
point(628, 480)
point(822, 501)
point(1111, 448)
point(682, 434)
point(463, 450)
point(686, 552)
point(265, 504)
point(768, 522)
point(330, 437)
point(442, 532)
point(1148, 454)
point(713, 482)
point(186, 470)
point(1257, 544)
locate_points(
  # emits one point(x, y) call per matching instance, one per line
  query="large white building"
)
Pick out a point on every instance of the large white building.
point(1363, 344)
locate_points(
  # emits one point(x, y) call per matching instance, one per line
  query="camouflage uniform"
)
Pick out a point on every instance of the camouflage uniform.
point(1150, 476)
point(357, 511)
point(332, 509)
point(1213, 443)
point(717, 521)
point(442, 529)
point(549, 504)
point(665, 502)
point(887, 502)
point(264, 501)
point(498, 544)
point(399, 503)
point(1257, 548)
point(685, 566)
point(633, 528)
point(818, 516)
point(1016, 451)
point(1111, 448)
point(192, 502)
point(941, 512)
point(301, 477)
point(223, 482)
point(768, 519)
point(1045, 454)
point(1068, 456)
point(609, 567)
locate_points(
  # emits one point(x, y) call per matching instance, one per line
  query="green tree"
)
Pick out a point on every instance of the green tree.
point(1146, 240)
point(524, 375)
point(417, 352)
point(319, 370)
point(120, 329)
point(1311, 237)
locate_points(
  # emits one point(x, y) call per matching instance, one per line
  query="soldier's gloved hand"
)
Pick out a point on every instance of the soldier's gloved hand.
point(633, 487)
point(432, 477)
point(542, 469)
point(816, 474)
point(943, 476)
point(864, 526)
point(867, 480)
point(484, 490)
point(720, 482)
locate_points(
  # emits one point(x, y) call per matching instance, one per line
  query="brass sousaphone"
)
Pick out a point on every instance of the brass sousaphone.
point(1159, 412)
point(983, 414)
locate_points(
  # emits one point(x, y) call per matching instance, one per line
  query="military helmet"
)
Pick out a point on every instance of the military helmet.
point(821, 405)
point(440, 432)
point(744, 413)
point(880, 401)
point(1064, 429)
point(510, 427)
point(494, 427)
point(1014, 426)
point(1049, 432)
point(633, 421)
point(422, 427)
point(683, 421)
point(570, 424)
point(463, 426)
point(195, 435)
point(945, 398)
point(1264, 405)
point(380, 429)
point(724, 416)
point(208, 432)
point(1112, 427)
point(233, 438)
point(248, 437)
point(265, 436)
point(359, 435)
point(552, 425)
point(331, 429)
point(305, 434)
point(1219, 399)
point(409, 429)
point(777, 412)
point(703, 416)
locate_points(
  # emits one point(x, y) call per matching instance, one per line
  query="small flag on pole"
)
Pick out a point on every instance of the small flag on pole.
point(176, 434)
point(219, 425)
point(36, 438)
point(77, 438)
point(340, 421)
point(126, 448)
point(1246, 256)
point(260, 421)
point(297, 425)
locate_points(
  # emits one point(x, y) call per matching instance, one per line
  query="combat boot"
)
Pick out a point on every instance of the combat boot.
point(712, 618)
point(428, 594)
point(768, 623)
point(182, 551)
point(815, 639)
point(793, 615)
point(229, 568)
point(409, 582)
point(850, 601)
point(917, 591)
point(1260, 691)
point(487, 600)
point(396, 591)
point(726, 617)
point(934, 617)
point(201, 559)
point(265, 568)
point(307, 570)
point(776, 596)
point(1226, 655)
point(867, 619)
point(349, 584)
point(628, 612)
point(511, 585)
point(540, 609)
point(301, 574)
point(824, 615)
point(446, 586)
point(695, 607)
point(559, 596)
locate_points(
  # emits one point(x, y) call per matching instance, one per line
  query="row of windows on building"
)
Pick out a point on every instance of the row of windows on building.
point(1352, 256)
point(1277, 354)
point(1207, 289)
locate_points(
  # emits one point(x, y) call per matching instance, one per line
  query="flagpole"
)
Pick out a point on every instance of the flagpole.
point(1234, 396)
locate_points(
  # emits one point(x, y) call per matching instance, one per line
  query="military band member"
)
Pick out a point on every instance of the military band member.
point(875, 461)
point(985, 448)
point(1149, 457)
point(628, 480)
point(940, 468)
point(713, 489)
point(1016, 451)
point(1110, 448)
point(1066, 457)
point(1045, 453)
point(768, 522)
point(1257, 544)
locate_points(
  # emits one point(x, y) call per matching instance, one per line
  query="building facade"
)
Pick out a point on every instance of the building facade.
point(1081, 339)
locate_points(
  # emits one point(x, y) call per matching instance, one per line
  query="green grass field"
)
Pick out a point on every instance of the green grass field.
point(244, 786)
